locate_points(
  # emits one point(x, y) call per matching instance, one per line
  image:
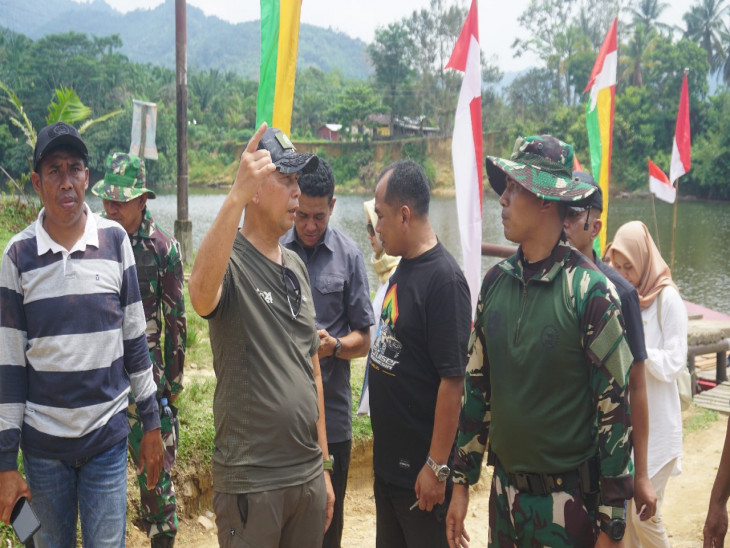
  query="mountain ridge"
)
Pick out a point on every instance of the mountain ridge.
point(148, 36)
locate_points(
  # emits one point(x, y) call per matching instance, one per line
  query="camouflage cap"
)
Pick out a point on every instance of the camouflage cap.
point(541, 164)
point(123, 179)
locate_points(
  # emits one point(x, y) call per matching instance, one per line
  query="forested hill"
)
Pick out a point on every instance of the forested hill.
point(149, 36)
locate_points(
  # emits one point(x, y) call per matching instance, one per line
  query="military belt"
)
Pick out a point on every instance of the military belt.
point(585, 478)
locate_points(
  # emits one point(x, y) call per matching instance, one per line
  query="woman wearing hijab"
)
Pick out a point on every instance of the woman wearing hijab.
point(636, 257)
point(384, 266)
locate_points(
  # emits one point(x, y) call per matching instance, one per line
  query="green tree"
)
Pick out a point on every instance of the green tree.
point(433, 33)
point(706, 26)
point(633, 59)
point(391, 56)
point(711, 152)
point(316, 93)
point(354, 105)
point(532, 96)
point(647, 13)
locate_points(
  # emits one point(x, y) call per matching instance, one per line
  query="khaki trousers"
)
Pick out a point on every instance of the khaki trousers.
point(649, 533)
point(292, 517)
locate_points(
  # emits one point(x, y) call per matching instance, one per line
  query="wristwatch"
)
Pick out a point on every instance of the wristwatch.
point(328, 463)
point(614, 528)
point(441, 470)
point(338, 347)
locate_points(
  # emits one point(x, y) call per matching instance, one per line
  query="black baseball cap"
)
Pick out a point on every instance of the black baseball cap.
point(595, 200)
point(56, 135)
point(284, 155)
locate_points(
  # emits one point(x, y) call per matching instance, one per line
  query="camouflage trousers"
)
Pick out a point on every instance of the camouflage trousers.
point(560, 519)
point(157, 507)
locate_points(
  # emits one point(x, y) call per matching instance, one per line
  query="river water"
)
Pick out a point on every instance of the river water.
point(701, 268)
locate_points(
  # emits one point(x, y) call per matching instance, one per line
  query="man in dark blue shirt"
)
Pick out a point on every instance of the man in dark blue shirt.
point(344, 314)
point(582, 225)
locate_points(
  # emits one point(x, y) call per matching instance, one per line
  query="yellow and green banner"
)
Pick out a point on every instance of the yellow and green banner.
point(599, 119)
point(279, 41)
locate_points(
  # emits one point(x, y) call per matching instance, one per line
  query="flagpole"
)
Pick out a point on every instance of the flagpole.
point(674, 228)
point(656, 225)
point(681, 152)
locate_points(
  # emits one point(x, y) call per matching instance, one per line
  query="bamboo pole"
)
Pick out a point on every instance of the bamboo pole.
point(656, 225)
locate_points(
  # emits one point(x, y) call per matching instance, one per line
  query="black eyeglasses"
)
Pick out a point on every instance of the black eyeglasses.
point(371, 230)
point(292, 288)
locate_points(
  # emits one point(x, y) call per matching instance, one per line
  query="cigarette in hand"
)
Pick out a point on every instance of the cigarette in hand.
point(414, 505)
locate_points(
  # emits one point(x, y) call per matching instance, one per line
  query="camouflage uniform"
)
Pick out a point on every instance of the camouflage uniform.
point(161, 282)
point(545, 383)
point(160, 274)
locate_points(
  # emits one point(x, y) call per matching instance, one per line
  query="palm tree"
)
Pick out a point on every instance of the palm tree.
point(647, 13)
point(635, 54)
point(706, 27)
point(66, 106)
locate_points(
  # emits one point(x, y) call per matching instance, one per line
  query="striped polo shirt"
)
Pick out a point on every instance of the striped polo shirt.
point(72, 341)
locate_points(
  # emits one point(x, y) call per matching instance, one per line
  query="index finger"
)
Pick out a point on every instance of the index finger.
point(253, 144)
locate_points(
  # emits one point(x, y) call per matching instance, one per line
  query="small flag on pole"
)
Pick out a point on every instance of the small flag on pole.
point(466, 150)
point(681, 146)
point(279, 42)
point(576, 163)
point(659, 184)
point(599, 120)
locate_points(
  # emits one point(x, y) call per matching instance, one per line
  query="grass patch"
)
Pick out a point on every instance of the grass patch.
point(698, 418)
point(361, 429)
point(17, 213)
point(197, 432)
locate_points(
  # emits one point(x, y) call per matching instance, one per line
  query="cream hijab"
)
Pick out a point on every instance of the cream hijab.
point(383, 263)
point(634, 241)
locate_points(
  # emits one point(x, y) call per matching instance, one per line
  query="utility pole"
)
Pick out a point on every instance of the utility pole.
point(183, 225)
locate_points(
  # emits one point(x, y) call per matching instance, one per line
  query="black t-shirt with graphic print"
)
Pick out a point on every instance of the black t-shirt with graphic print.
point(423, 332)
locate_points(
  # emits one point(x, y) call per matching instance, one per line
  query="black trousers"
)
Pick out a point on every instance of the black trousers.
point(341, 453)
point(397, 526)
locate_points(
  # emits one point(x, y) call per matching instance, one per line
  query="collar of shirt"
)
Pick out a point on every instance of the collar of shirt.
point(45, 243)
point(146, 226)
point(291, 237)
point(549, 268)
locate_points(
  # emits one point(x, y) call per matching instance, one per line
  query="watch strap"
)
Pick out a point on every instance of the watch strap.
point(613, 512)
point(338, 347)
point(328, 463)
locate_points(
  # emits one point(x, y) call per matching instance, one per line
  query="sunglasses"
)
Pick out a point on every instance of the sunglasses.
point(371, 230)
point(293, 290)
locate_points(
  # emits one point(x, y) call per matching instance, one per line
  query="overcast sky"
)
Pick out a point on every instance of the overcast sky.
point(498, 26)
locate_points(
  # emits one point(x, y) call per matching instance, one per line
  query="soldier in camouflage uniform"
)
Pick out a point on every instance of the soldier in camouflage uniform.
point(546, 380)
point(160, 274)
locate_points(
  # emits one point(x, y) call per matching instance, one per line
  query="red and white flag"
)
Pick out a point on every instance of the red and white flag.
point(466, 150)
point(681, 146)
point(659, 184)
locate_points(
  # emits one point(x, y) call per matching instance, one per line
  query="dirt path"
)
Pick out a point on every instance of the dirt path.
point(684, 510)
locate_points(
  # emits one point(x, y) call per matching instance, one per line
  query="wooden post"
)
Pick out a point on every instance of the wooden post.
point(656, 225)
point(183, 225)
point(674, 228)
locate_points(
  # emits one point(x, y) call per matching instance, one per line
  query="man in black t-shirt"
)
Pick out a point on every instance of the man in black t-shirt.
point(417, 364)
point(582, 225)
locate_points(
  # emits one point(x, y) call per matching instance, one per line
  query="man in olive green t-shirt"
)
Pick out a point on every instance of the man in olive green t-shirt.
point(270, 443)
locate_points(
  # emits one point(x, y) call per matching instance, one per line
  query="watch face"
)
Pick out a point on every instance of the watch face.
point(616, 528)
point(443, 473)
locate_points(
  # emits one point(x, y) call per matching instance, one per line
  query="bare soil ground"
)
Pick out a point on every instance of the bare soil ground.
point(684, 509)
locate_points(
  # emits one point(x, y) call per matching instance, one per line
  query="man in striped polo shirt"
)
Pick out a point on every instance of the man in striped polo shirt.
point(72, 341)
